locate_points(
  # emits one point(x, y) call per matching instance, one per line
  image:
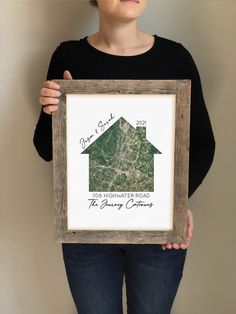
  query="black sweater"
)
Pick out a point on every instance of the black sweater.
point(165, 60)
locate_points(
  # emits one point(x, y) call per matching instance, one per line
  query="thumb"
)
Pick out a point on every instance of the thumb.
point(67, 75)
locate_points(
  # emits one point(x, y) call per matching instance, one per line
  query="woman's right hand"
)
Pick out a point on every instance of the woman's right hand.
point(49, 93)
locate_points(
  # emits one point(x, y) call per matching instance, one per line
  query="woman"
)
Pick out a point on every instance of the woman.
point(119, 50)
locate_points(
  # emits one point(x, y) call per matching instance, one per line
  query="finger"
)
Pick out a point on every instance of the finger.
point(51, 85)
point(67, 75)
point(169, 246)
point(46, 92)
point(50, 109)
point(48, 101)
point(163, 246)
point(186, 224)
point(185, 243)
point(183, 246)
point(189, 224)
point(175, 245)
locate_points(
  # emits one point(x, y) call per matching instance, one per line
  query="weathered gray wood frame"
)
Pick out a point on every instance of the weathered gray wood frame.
point(181, 88)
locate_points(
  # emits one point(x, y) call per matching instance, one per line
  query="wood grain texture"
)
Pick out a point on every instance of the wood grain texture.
point(182, 90)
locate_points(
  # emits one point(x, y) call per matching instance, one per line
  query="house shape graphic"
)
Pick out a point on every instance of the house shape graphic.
point(121, 159)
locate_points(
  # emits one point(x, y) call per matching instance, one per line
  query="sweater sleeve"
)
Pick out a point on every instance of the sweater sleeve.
point(202, 142)
point(43, 132)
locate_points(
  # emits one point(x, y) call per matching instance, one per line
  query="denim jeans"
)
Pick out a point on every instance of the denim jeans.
point(95, 275)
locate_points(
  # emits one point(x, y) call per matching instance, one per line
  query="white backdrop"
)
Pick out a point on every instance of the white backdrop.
point(83, 115)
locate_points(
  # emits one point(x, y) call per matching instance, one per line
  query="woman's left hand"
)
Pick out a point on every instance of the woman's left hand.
point(188, 235)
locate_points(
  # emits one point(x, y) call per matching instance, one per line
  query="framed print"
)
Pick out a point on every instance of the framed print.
point(120, 161)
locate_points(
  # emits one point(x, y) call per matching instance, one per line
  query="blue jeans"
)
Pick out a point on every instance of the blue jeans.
point(95, 275)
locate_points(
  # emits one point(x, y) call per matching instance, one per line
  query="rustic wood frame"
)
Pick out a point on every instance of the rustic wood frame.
point(182, 90)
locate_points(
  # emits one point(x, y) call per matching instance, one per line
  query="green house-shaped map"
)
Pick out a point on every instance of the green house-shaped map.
point(121, 160)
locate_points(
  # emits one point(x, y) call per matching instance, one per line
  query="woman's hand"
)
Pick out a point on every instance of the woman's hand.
point(49, 93)
point(188, 235)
